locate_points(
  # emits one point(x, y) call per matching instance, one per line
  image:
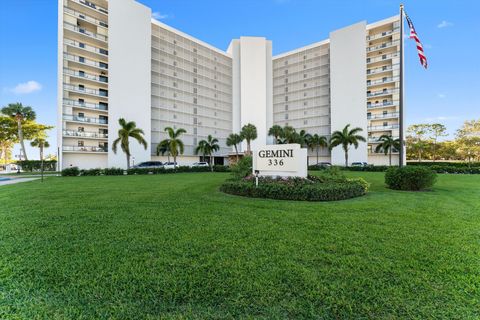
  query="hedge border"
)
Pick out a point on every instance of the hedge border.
point(75, 171)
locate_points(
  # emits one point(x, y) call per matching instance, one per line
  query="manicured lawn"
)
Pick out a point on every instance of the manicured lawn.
point(172, 246)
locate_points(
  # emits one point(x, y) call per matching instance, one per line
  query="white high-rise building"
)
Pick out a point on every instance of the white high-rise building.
point(115, 61)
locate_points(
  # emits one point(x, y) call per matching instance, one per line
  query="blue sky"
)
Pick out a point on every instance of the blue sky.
point(450, 30)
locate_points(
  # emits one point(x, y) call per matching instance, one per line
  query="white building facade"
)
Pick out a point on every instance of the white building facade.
point(115, 61)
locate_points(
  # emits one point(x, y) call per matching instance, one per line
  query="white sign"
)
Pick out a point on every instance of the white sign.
point(280, 160)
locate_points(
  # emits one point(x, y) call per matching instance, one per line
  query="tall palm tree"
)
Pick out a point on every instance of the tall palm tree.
point(127, 130)
point(248, 133)
point(288, 135)
point(315, 142)
point(303, 137)
point(276, 131)
point(387, 145)
point(173, 143)
point(162, 148)
point(207, 147)
point(40, 143)
point(345, 138)
point(20, 113)
point(233, 140)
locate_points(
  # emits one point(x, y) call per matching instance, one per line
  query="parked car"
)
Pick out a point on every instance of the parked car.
point(170, 165)
point(359, 164)
point(200, 164)
point(149, 165)
point(322, 165)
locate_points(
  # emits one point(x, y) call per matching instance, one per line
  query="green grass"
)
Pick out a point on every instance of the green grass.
point(174, 247)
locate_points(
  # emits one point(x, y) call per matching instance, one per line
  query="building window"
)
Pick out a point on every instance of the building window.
point(305, 103)
point(286, 62)
point(174, 63)
point(385, 112)
point(286, 116)
point(195, 111)
point(286, 71)
point(195, 70)
point(195, 121)
point(174, 53)
point(195, 101)
point(286, 107)
point(304, 66)
point(194, 80)
point(304, 85)
point(286, 98)
point(286, 89)
point(385, 124)
point(175, 84)
point(195, 90)
point(304, 94)
point(286, 80)
point(195, 130)
point(304, 75)
point(81, 143)
point(81, 129)
point(369, 115)
point(305, 122)
point(304, 57)
point(195, 50)
point(174, 116)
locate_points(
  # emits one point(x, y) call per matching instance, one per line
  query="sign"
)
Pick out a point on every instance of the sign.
point(280, 160)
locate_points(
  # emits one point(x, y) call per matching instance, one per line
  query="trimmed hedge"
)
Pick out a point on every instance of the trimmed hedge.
point(295, 190)
point(70, 172)
point(74, 171)
point(410, 178)
point(454, 168)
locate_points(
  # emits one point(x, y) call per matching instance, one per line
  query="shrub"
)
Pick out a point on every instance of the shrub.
point(36, 165)
point(220, 168)
point(71, 172)
point(91, 172)
point(296, 189)
point(242, 168)
point(410, 178)
point(113, 171)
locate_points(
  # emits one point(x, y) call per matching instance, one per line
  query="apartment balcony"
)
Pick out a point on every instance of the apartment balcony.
point(383, 34)
point(381, 153)
point(85, 17)
point(85, 61)
point(76, 45)
point(73, 118)
point(93, 6)
point(371, 83)
point(383, 116)
point(380, 105)
point(375, 139)
point(383, 57)
point(85, 105)
point(382, 92)
point(85, 32)
point(88, 91)
point(382, 46)
point(90, 149)
point(86, 76)
point(379, 70)
point(382, 128)
point(84, 134)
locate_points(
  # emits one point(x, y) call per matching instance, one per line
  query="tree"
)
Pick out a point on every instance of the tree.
point(40, 143)
point(127, 130)
point(315, 142)
point(21, 114)
point(233, 140)
point(387, 145)
point(468, 138)
point(173, 144)
point(163, 148)
point(437, 130)
point(248, 133)
point(276, 131)
point(8, 131)
point(207, 147)
point(417, 140)
point(345, 138)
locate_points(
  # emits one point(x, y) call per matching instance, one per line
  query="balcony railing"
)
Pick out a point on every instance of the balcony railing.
point(84, 75)
point(382, 92)
point(90, 34)
point(92, 5)
point(382, 46)
point(85, 90)
point(383, 57)
point(380, 81)
point(383, 34)
point(85, 17)
point(383, 128)
point(84, 119)
point(84, 134)
point(383, 116)
point(85, 47)
point(379, 70)
point(382, 104)
point(376, 139)
point(88, 62)
point(85, 149)
point(88, 105)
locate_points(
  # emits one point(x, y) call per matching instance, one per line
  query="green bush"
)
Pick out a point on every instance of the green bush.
point(297, 189)
point(113, 171)
point(36, 165)
point(242, 168)
point(220, 168)
point(91, 172)
point(70, 172)
point(411, 178)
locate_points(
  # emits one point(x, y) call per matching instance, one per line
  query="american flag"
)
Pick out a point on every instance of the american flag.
point(413, 35)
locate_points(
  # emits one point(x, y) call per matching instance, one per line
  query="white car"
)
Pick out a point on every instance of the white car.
point(200, 164)
point(170, 165)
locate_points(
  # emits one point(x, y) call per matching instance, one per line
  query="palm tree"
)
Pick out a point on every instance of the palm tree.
point(276, 131)
point(20, 113)
point(173, 145)
point(303, 137)
point(207, 147)
point(162, 148)
point(233, 140)
point(288, 135)
point(345, 138)
point(127, 130)
point(316, 142)
point(40, 143)
point(387, 145)
point(248, 133)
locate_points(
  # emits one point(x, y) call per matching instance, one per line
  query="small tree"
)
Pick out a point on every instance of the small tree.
point(127, 130)
point(21, 114)
point(276, 131)
point(387, 145)
point(437, 130)
point(173, 144)
point(315, 142)
point(248, 133)
point(207, 147)
point(345, 138)
point(417, 139)
point(233, 140)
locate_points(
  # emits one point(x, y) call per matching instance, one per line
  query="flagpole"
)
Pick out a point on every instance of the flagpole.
point(401, 116)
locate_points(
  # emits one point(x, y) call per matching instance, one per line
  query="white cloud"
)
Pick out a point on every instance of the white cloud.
point(160, 16)
point(441, 95)
point(27, 87)
point(444, 24)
